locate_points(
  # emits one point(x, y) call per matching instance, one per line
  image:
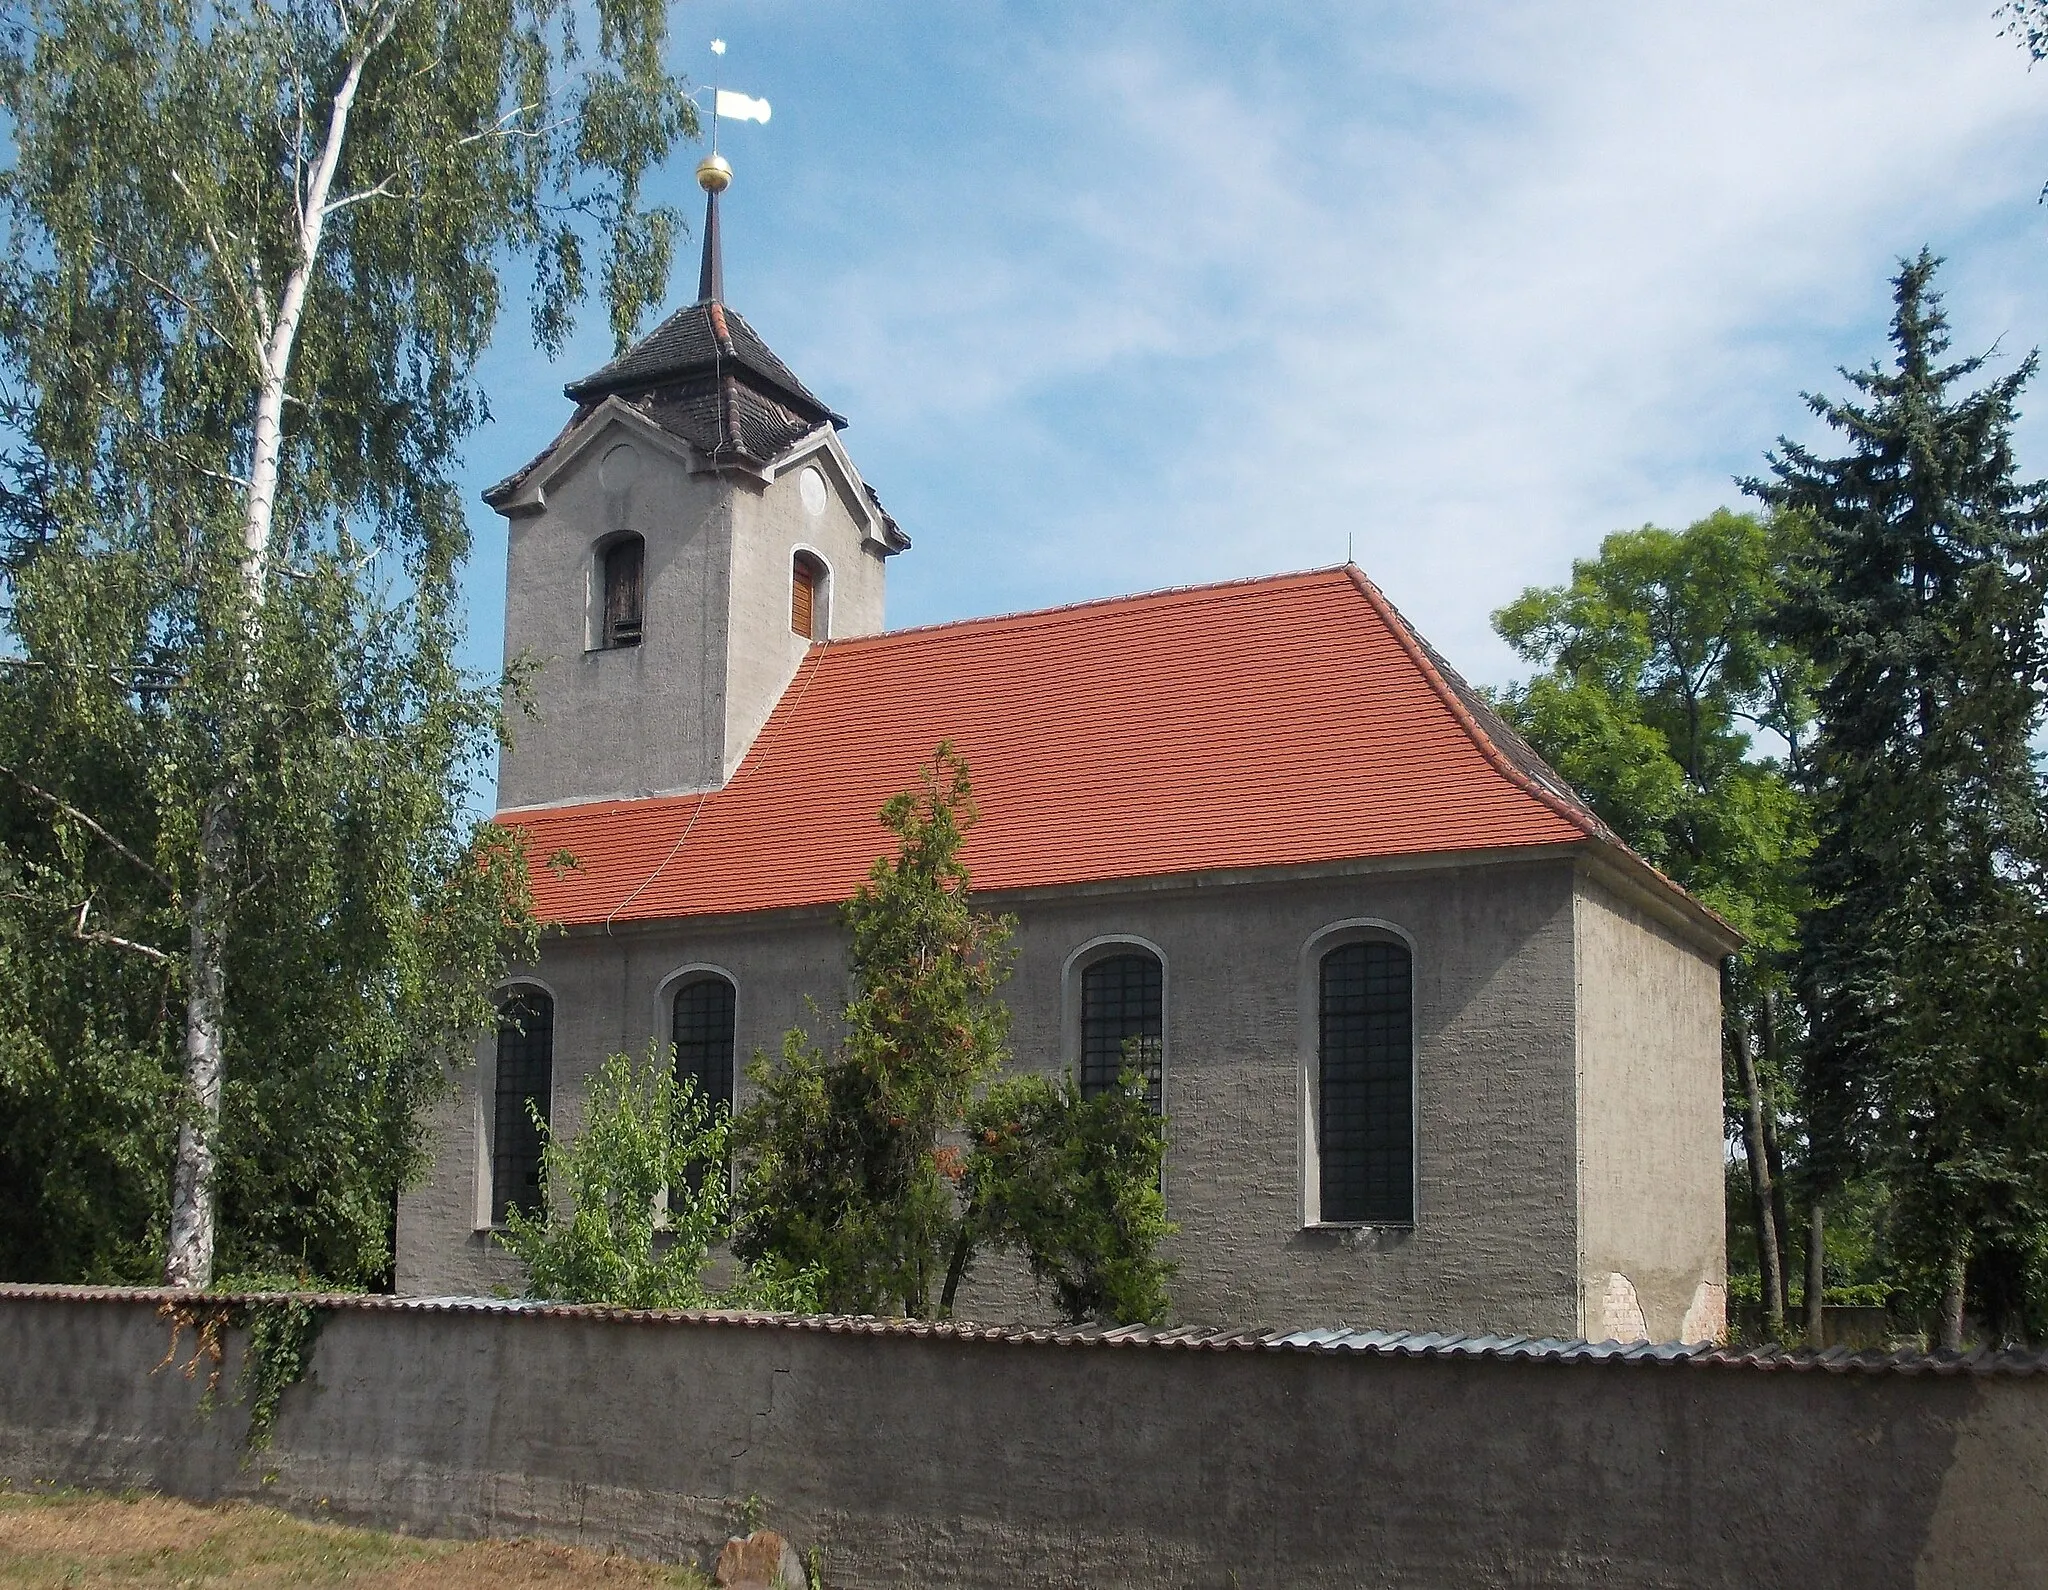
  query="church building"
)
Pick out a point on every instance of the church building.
point(1436, 1050)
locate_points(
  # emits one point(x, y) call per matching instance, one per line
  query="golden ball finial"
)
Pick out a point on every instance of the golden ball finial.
point(714, 173)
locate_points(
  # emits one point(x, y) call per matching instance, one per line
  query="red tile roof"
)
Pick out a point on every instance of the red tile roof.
point(1272, 722)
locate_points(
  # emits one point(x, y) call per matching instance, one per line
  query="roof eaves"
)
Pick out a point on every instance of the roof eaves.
point(507, 488)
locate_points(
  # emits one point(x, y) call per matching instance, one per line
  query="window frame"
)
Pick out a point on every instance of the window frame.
point(665, 993)
point(486, 1117)
point(597, 634)
point(673, 984)
point(1336, 936)
point(821, 594)
point(1105, 947)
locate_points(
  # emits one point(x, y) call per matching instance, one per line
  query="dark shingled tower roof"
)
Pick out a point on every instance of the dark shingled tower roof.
point(706, 376)
point(707, 341)
point(704, 342)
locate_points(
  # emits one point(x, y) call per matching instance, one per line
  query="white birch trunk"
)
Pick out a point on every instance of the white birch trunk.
point(190, 1258)
point(283, 334)
point(188, 1261)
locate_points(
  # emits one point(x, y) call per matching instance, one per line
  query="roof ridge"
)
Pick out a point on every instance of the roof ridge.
point(1024, 617)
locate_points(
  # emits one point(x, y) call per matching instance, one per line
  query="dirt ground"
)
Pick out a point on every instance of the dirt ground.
point(76, 1539)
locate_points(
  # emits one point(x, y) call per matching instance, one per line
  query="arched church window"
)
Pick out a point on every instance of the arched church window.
point(525, 1076)
point(624, 564)
point(806, 596)
point(1123, 1022)
point(703, 1036)
point(1365, 1085)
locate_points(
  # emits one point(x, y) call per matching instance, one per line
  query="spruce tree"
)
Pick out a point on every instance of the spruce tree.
point(878, 1171)
point(844, 1169)
point(1920, 959)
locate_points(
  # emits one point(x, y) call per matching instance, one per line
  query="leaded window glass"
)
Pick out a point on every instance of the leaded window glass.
point(1365, 1094)
point(525, 1073)
point(1122, 1003)
point(703, 1035)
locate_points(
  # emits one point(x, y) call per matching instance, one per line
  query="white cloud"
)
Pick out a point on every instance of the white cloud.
point(1474, 287)
point(1218, 287)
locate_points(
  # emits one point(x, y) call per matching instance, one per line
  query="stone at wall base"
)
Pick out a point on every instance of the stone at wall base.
point(763, 1561)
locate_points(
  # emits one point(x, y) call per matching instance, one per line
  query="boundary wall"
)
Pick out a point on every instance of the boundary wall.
point(958, 1456)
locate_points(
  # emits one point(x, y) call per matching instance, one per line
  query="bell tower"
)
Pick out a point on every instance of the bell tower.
point(673, 555)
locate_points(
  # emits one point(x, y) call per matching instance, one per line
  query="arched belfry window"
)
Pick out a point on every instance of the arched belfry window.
point(807, 597)
point(1123, 1021)
point(1365, 1084)
point(623, 565)
point(703, 1035)
point(525, 1077)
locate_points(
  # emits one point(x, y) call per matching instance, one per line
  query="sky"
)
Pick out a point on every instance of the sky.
point(1125, 297)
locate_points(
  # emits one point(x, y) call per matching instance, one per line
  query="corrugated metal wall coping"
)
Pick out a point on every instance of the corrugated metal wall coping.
point(1334, 1340)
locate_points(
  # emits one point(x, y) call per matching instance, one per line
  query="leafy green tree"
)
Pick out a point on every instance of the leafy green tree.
point(1922, 954)
point(1660, 672)
point(1662, 668)
point(844, 1171)
point(1072, 1184)
point(635, 1202)
point(852, 1162)
point(252, 255)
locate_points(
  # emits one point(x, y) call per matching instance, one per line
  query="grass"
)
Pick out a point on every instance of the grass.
point(88, 1540)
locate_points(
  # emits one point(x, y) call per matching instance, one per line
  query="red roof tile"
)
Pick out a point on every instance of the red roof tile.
point(1273, 722)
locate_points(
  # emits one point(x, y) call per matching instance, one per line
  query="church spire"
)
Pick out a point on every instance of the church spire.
point(714, 176)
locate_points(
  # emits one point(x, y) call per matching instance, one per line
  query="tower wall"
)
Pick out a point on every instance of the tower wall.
point(771, 524)
point(637, 720)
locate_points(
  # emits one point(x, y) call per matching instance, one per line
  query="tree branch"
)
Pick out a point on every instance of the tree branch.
point(88, 823)
point(179, 299)
point(499, 129)
point(382, 190)
point(114, 939)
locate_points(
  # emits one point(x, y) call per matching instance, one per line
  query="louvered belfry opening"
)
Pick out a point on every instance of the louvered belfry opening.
point(1365, 1093)
point(624, 563)
point(803, 595)
point(1123, 1022)
point(525, 1073)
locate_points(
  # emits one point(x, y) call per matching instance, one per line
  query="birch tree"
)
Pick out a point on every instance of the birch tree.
point(253, 254)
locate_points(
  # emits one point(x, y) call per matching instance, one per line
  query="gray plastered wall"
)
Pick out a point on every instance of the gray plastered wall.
point(1651, 1187)
point(991, 1465)
point(1503, 1076)
point(772, 522)
point(678, 711)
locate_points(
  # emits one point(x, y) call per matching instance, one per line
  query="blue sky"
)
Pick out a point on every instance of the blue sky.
point(1124, 297)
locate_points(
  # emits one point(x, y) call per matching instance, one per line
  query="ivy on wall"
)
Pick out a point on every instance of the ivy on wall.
point(281, 1330)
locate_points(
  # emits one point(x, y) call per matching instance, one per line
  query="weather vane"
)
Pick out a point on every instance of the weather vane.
point(714, 171)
